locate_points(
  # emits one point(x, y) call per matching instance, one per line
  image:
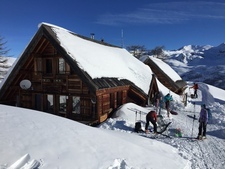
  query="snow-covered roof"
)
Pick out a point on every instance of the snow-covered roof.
point(96, 59)
point(165, 74)
point(166, 68)
point(103, 61)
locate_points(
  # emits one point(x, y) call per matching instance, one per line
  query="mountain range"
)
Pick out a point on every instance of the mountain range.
point(199, 63)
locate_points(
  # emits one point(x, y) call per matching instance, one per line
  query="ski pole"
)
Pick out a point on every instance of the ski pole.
point(193, 121)
point(140, 115)
point(135, 116)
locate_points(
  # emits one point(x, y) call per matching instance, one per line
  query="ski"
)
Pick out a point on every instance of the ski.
point(164, 128)
point(154, 136)
point(148, 135)
point(192, 117)
point(165, 135)
point(191, 138)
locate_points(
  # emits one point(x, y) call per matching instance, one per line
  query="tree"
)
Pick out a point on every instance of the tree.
point(3, 50)
point(137, 50)
point(158, 52)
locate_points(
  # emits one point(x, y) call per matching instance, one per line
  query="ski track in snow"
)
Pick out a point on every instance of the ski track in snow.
point(208, 153)
point(203, 154)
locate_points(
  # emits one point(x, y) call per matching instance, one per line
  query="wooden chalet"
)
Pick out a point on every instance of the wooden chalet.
point(177, 86)
point(60, 86)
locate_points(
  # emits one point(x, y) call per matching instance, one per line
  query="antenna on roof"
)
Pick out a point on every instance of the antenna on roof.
point(92, 36)
point(122, 42)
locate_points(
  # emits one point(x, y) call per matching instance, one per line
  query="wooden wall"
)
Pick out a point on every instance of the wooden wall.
point(41, 67)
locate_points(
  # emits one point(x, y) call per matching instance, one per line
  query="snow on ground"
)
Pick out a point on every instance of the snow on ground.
point(32, 139)
point(47, 141)
point(209, 153)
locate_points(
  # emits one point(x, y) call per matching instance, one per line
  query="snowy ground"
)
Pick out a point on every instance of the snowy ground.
point(209, 153)
point(31, 139)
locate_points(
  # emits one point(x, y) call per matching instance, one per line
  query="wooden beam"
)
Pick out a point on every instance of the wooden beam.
point(42, 45)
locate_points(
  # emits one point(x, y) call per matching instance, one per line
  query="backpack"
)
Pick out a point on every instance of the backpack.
point(138, 127)
point(209, 114)
point(168, 98)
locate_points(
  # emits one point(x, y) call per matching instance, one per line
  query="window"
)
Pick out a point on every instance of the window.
point(62, 104)
point(39, 65)
point(76, 105)
point(49, 66)
point(50, 103)
point(62, 66)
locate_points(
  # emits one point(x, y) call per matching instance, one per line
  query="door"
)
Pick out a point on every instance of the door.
point(38, 102)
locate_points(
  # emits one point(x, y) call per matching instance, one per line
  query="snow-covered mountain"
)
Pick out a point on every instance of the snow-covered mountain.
point(5, 64)
point(199, 63)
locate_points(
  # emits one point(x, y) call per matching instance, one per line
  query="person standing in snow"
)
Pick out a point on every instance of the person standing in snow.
point(203, 120)
point(195, 87)
point(168, 98)
point(157, 100)
point(160, 104)
point(151, 117)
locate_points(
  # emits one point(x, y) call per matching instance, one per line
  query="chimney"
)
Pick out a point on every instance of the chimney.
point(92, 36)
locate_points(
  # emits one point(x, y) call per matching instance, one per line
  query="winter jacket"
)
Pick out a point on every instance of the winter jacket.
point(168, 98)
point(203, 116)
point(151, 116)
point(195, 86)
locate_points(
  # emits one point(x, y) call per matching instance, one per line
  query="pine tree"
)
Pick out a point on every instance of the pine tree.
point(137, 50)
point(158, 52)
point(3, 50)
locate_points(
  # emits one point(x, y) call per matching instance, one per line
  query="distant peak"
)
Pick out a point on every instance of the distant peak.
point(222, 45)
point(192, 48)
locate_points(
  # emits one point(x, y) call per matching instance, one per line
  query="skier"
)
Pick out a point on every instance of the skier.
point(152, 117)
point(195, 87)
point(167, 100)
point(203, 119)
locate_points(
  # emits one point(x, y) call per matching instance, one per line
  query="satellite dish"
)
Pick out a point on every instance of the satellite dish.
point(25, 84)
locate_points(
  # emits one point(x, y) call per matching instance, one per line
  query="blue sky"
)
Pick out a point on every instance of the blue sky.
point(151, 23)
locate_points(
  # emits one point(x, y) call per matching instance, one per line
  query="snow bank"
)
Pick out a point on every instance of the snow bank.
point(56, 142)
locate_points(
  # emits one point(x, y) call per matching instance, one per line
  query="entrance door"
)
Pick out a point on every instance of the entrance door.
point(38, 102)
